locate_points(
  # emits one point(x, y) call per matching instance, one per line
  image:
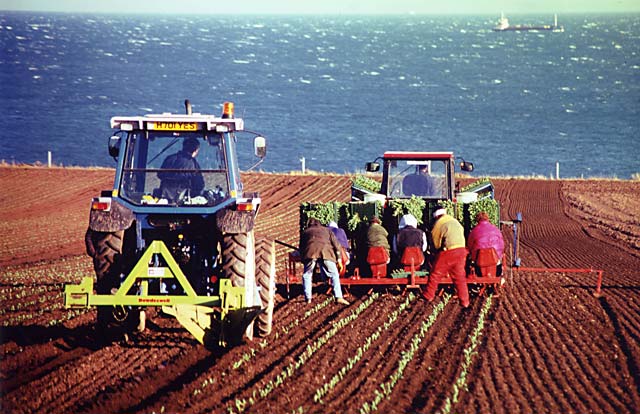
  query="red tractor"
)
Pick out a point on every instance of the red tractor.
point(412, 182)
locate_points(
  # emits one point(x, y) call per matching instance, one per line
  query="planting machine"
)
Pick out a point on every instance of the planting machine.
point(176, 231)
point(412, 182)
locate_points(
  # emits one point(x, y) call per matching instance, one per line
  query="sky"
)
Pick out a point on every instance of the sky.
point(325, 6)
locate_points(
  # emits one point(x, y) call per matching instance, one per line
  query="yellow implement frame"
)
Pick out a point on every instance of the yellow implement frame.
point(195, 313)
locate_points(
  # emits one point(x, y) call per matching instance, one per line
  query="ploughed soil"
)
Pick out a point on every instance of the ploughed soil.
point(544, 344)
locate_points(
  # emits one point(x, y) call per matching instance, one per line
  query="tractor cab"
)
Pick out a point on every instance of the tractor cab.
point(171, 160)
point(428, 175)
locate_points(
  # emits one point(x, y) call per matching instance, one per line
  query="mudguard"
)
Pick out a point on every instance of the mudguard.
point(117, 218)
point(232, 221)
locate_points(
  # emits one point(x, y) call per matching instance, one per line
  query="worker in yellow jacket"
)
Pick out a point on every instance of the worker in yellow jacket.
point(448, 239)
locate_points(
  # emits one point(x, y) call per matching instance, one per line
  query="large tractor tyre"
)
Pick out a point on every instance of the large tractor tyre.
point(106, 250)
point(266, 279)
point(239, 265)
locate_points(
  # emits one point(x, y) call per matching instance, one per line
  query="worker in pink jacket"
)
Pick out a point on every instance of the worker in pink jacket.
point(485, 235)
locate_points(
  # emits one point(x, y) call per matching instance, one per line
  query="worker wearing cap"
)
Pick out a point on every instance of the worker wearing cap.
point(448, 239)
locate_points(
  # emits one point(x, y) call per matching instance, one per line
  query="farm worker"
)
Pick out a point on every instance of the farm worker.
point(448, 239)
point(341, 236)
point(172, 182)
point(409, 235)
point(483, 236)
point(420, 183)
point(377, 235)
point(319, 245)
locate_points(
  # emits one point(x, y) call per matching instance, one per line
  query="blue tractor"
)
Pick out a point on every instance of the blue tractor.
point(177, 231)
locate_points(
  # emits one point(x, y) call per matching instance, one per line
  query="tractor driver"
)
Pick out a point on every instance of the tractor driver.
point(420, 183)
point(175, 184)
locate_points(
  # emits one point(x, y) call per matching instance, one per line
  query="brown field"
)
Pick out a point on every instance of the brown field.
point(546, 344)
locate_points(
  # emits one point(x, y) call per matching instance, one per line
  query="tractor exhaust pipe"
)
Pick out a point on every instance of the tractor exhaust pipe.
point(187, 106)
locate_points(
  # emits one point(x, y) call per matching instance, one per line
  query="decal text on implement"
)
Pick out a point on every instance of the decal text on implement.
point(154, 300)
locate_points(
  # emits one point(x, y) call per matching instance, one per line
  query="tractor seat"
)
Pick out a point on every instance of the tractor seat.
point(412, 258)
point(486, 261)
point(378, 257)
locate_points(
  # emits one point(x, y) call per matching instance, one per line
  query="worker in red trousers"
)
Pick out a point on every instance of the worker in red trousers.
point(448, 240)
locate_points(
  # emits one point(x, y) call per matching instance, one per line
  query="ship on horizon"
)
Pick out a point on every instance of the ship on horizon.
point(504, 26)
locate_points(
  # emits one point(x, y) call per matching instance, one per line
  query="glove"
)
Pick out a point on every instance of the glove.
point(340, 266)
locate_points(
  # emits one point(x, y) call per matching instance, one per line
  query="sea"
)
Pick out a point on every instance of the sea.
point(331, 92)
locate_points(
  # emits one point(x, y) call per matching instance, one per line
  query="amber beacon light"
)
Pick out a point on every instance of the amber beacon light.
point(227, 110)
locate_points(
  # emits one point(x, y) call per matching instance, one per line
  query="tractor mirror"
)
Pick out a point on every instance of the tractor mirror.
point(260, 147)
point(466, 166)
point(114, 146)
point(372, 167)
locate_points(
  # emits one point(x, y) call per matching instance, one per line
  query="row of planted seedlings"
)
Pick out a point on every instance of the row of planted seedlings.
point(387, 386)
point(261, 391)
point(68, 269)
point(367, 344)
point(55, 315)
point(284, 331)
point(20, 293)
point(34, 292)
point(264, 389)
point(469, 354)
point(258, 348)
point(370, 341)
point(459, 386)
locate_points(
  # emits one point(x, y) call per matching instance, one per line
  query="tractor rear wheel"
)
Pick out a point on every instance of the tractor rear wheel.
point(106, 250)
point(266, 279)
point(239, 265)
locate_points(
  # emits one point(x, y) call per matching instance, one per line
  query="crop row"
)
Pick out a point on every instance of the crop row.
point(241, 404)
point(250, 354)
point(469, 353)
point(23, 304)
point(360, 352)
point(35, 314)
point(406, 357)
point(247, 356)
point(23, 291)
point(64, 270)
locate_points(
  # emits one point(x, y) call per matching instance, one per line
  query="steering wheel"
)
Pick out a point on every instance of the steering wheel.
point(396, 189)
point(214, 196)
point(182, 197)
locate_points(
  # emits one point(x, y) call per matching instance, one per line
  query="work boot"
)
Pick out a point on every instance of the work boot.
point(342, 301)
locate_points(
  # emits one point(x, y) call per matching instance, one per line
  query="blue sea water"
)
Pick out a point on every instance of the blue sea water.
point(336, 90)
